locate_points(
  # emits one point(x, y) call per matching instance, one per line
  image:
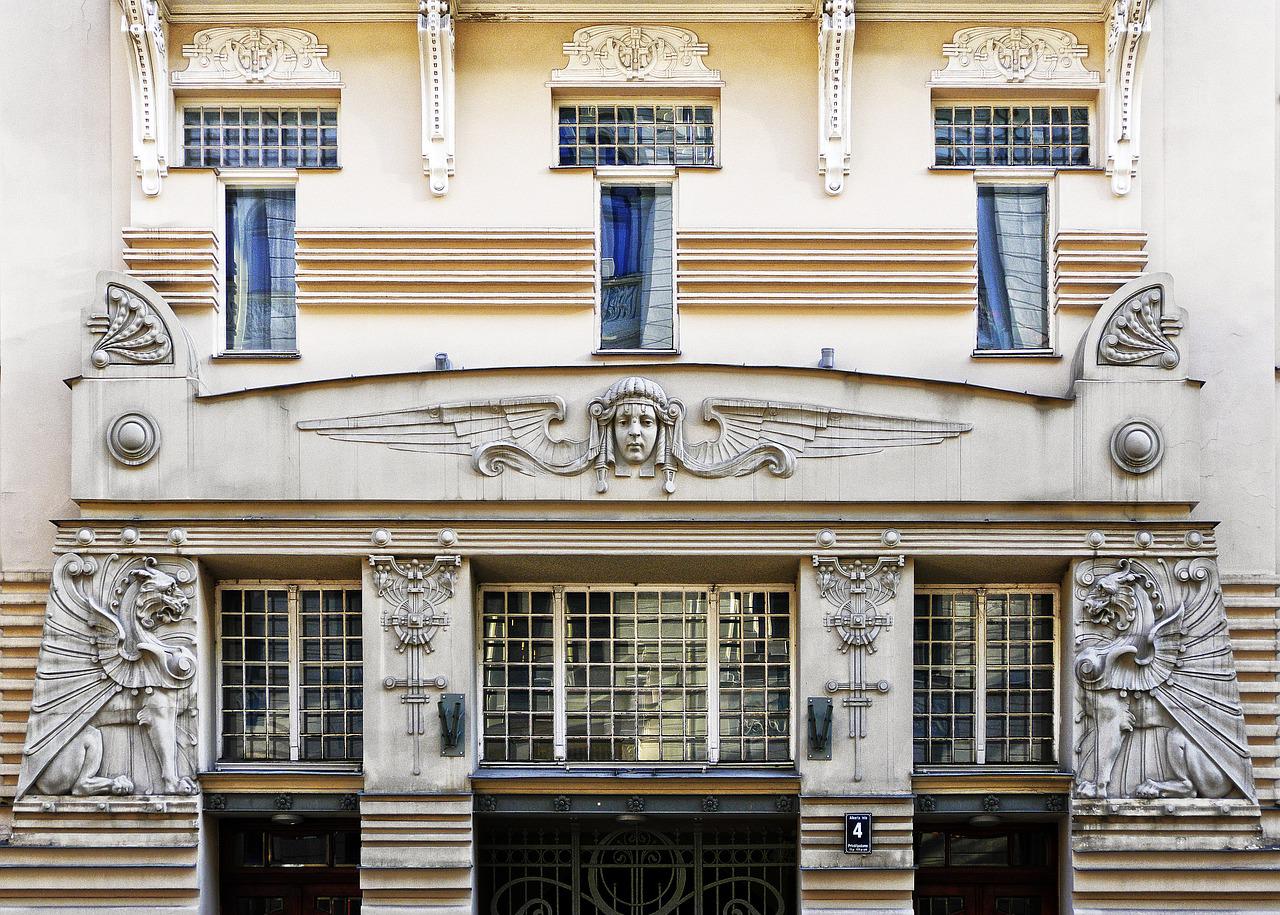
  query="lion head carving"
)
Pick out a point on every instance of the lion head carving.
point(160, 598)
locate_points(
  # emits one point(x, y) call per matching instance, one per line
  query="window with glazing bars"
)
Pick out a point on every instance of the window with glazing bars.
point(968, 136)
point(260, 137)
point(291, 672)
point(984, 676)
point(650, 133)
point(636, 675)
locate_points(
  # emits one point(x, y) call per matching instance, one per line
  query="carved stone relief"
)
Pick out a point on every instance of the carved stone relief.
point(248, 55)
point(413, 593)
point(113, 709)
point(144, 27)
point(1016, 56)
point(129, 332)
point(1128, 23)
point(133, 438)
point(635, 429)
point(435, 59)
point(1158, 710)
point(835, 88)
point(858, 591)
point(1137, 446)
point(1140, 332)
point(612, 54)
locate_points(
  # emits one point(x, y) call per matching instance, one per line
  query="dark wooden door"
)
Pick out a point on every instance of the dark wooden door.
point(307, 869)
point(963, 870)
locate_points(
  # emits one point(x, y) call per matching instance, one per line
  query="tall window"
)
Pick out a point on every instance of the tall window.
point(637, 290)
point(261, 265)
point(636, 675)
point(984, 677)
point(1013, 275)
point(291, 672)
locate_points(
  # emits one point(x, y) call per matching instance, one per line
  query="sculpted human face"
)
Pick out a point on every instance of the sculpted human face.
point(635, 431)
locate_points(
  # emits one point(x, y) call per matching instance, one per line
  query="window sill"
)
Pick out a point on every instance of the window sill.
point(1047, 171)
point(635, 352)
point(633, 171)
point(265, 771)
point(237, 354)
point(1015, 354)
point(563, 770)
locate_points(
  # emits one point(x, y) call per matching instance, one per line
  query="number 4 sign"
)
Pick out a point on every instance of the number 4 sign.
point(857, 833)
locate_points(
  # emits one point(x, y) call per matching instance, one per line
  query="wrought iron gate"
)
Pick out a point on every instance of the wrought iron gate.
point(612, 869)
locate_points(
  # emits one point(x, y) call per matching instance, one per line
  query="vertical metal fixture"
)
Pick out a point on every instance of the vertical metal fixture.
point(819, 727)
point(443, 362)
point(453, 723)
point(828, 360)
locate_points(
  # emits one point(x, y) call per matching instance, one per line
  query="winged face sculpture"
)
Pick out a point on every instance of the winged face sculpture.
point(636, 430)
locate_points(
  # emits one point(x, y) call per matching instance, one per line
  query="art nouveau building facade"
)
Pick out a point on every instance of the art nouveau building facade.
point(639, 458)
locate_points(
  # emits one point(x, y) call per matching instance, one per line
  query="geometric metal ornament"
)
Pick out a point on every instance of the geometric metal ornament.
point(413, 592)
point(857, 591)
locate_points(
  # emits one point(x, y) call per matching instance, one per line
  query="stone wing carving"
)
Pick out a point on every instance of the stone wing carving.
point(787, 431)
point(636, 429)
point(113, 708)
point(1158, 704)
point(513, 432)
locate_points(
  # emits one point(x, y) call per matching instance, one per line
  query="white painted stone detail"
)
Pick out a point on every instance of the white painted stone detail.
point(257, 57)
point(835, 93)
point(130, 331)
point(986, 56)
point(1128, 24)
point(435, 58)
point(636, 430)
point(606, 55)
point(1157, 704)
point(858, 591)
point(1139, 332)
point(146, 35)
point(113, 709)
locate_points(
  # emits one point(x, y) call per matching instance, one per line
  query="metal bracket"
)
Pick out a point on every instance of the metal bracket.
point(453, 724)
point(819, 727)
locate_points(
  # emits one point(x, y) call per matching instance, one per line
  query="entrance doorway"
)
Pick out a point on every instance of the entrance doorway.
point(303, 869)
point(970, 870)
point(605, 867)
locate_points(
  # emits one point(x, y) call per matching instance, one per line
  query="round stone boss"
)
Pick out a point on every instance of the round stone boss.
point(1137, 446)
point(133, 438)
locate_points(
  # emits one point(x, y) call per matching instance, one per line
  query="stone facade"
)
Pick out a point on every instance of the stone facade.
point(1124, 477)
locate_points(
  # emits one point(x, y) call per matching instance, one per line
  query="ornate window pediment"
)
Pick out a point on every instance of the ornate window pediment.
point(612, 55)
point(249, 56)
point(985, 56)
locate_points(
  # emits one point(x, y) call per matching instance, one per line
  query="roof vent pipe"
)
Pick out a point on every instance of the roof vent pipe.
point(442, 362)
point(828, 360)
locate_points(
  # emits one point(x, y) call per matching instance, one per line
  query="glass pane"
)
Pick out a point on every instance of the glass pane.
point(945, 678)
point(755, 676)
point(1013, 288)
point(518, 652)
point(261, 262)
point(979, 851)
point(223, 144)
point(255, 674)
point(300, 850)
point(329, 640)
point(1033, 145)
point(1019, 677)
point(637, 307)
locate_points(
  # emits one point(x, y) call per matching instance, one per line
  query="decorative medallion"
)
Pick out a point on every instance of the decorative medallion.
point(1138, 332)
point(926, 803)
point(247, 55)
point(1015, 56)
point(562, 803)
point(486, 803)
point(635, 804)
point(133, 439)
point(710, 804)
point(130, 332)
point(1137, 446)
point(1157, 699)
point(636, 429)
point(991, 803)
point(858, 591)
point(611, 54)
point(413, 592)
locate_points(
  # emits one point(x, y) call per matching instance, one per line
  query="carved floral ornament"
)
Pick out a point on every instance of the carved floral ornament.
point(130, 332)
point(635, 429)
point(988, 56)
point(1140, 332)
point(113, 709)
point(612, 54)
point(254, 56)
point(1158, 711)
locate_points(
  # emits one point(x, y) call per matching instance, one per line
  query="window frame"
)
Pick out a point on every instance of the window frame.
point(293, 586)
point(1021, 176)
point(638, 96)
point(559, 688)
point(960, 98)
point(245, 100)
point(636, 176)
point(980, 679)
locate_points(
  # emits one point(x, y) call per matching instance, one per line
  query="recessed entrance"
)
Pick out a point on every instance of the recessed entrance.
point(607, 867)
point(306, 869)
point(970, 870)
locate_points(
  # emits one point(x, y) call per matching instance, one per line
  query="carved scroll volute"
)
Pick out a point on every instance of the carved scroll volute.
point(130, 329)
point(1128, 24)
point(1137, 334)
point(113, 709)
point(835, 93)
point(1158, 714)
point(146, 37)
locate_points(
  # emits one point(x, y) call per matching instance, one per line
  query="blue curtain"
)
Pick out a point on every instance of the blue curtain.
point(635, 268)
point(261, 266)
point(1013, 298)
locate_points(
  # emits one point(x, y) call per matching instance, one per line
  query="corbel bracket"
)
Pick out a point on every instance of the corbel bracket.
point(1129, 22)
point(145, 31)
point(435, 49)
point(835, 51)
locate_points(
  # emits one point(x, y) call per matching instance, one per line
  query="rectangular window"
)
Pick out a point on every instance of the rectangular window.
point(636, 675)
point(291, 672)
point(637, 289)
point(261, 268)
point(1045, 136)
point(1013, 267)
point(645, 134)
point(260, 137)
point(984, 677)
